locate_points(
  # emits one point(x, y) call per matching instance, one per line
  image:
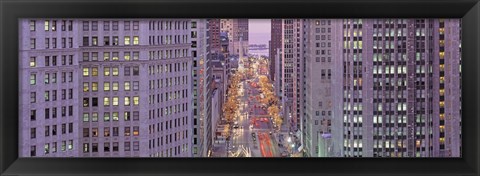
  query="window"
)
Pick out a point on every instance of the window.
point(94, 26)
point(85, 26)
point(136, 146)
point(106, 131)
point(136, 55)
point(127, 131)
point(115, 25)
point(106, 56)
point(135, 71)
point(94, 147)
point(126, 71)
point(106, 116)
point(94, 117)
point(115, 131)
point(127, 146)
point(115, 71)
point(106, 147)
point(136, 100)
point(115, 40)
point(115, 115)
point(94, 71)
point(85, 72)
point(135, 85)
point(33, 115)
point(85, 41)
point(94, 102)
point(115, 146)
point(135, 40)
point(115, 103)
point(106, 40)
point(106, 25)
point(106, 86)
point(32, 43)
point(127, 86)
point(70, 144)
point(85, 56)
point(47, 95)
point(85, 147)
point(54, 147)
point(126, 25)
point(135, 25)
point(33, 78)
point(47, 25)
point(94, 132)
point(106, 71)
point(47, 148)
point(136, 115)
point(127, 116)
point(136, 131)
point(85, 117)
point(115, 86)
point(126, 56)
point(106, 101)
point(86, 132)
point(127, 40)
point(95, 41)
point(33, 63)
point(70, 42)
point(33, 133)
point(127, 101)
point(64, 145)
point(32, 25)
point(94, 86)
point(115, 56)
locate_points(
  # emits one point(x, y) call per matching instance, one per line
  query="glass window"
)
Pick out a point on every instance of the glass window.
point(127, 86)
point(106, 101)
point(106, 56)
point(106, 116)
point(136, 131)
point(127, 131)
point(115, 71)
point(85, 72)
point(33, 63)
point(135, 85)
point(47, 25)
point(127, 40)
point(85, 87)
point(94, 86)
point(115, 114)
point(127, 101)
point(106, 71)
point(136, 100)
point(94, 71)
point(33, 78)
point(94, 117)
point(85, 117)
point(115, 86)
point(135, 40)
point(115, 103)
point(126, 56)
point(106, 86)
point(32, 25)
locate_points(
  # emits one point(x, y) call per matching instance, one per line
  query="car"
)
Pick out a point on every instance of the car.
point(235, 126)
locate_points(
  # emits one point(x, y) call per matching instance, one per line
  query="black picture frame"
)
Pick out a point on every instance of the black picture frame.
point(11, 11)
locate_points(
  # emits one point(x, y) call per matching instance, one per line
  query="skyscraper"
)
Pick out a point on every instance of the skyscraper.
point(275, 43)
point(110, 87)
point(237, 30)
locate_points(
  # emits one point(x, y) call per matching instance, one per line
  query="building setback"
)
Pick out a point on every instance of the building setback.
point(106, 87)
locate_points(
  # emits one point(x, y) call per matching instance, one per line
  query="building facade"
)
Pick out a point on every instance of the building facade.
point(275, 44)
point(237, 30)
point(110, 87)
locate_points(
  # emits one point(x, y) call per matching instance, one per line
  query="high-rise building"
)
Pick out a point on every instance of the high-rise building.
point(214, 29)
point(275, 43)
point(237, 30)
point(321, 43)
point(202, 89)
point(401, 89)
point(109, 87)
point(292, 70)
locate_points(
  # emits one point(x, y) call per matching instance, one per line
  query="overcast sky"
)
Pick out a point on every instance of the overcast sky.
point(259, 25)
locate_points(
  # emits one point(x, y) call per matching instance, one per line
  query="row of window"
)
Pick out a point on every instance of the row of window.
point(52, 25)
point(53, 149)
point(93, 86)
point(115, 130)
point(114, 101)
point(115, 148)
point(51, 62)
point(167, 68)
point(127, 25)
point(127, 40)
point(173, 124)
point(114, 56)
point(51, 78)
point(33, 112)
point(168, 139)
point(169, 54)
point(93, 71)
point(52, 96)
point(169, 25)
point(172, 81)
point(170, 110)
point(33, 131)
point(115, 116)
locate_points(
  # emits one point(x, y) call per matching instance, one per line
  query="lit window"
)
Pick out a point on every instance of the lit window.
point(106, 71)
point(106, 101)
point(136, 55)
point(126, 56)
point(127, 101)
point(94, 86)
point(85, 87)
point(127, 116)
point(94, 71)
point(136, 131)
point(106, 86)
point(94, 41)
point(115, 115)
point(106, 116)
point(32, 62)
point(47, 24)
point(115, 71)
point(135, 40)
point(94, 117)
point(127, 86)
point(115, 86)
point(115, 102)
point(127, 40)
point(70, 144)
point(115, 56)
point(85, 72)
point(85, 117)
point(33, 79)
point(106, 56)
point(136, 100)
